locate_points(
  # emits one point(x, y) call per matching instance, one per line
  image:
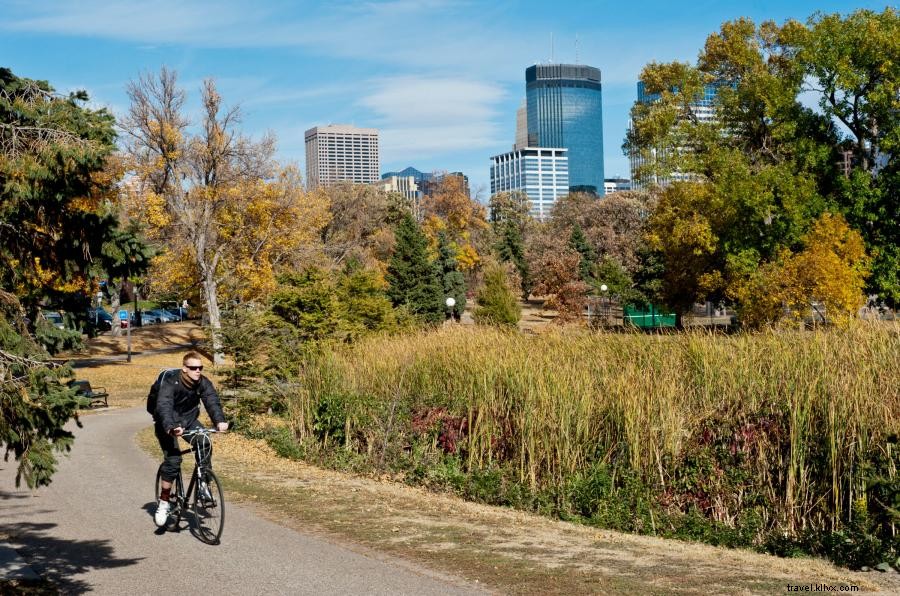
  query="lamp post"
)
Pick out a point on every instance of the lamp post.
point(450, 302)
point(99, 297)
point(603, 289)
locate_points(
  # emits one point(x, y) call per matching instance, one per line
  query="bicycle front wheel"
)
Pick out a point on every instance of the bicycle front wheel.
point(209, 508)
point(175, 512)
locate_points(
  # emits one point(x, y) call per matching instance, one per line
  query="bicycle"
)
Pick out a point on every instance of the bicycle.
point(204, 496)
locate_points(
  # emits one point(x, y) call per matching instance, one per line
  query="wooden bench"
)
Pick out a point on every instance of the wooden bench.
point(97, 395)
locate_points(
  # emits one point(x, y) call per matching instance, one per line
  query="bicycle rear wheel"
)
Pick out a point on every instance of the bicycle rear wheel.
point(175, 511)
point(209, 509)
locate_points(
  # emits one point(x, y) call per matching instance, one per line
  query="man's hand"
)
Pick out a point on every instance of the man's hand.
point(177, 431)
point(222, 427)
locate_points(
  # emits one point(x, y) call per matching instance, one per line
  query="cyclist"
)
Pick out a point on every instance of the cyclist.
point(177, 410)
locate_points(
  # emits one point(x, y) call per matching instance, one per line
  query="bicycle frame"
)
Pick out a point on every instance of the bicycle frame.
point(209, 495)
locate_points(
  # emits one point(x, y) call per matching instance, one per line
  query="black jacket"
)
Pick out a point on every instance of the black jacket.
point(177, 405)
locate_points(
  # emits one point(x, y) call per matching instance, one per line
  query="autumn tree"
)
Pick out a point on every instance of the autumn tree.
point(360, 226)
point(556, 276)
point(226, 213)
point(830, 269)
point(450, 209)
point(766, 168)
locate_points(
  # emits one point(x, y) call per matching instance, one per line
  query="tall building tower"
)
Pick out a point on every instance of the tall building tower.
point(340, 152)
point(564, 106)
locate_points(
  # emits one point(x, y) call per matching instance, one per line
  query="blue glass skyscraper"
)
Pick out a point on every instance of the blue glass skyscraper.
point(564, 105)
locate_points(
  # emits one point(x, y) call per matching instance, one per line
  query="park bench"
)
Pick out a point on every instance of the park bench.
point(97, 395)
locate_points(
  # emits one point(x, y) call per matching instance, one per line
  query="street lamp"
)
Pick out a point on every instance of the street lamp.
point(603, 289)
point(450, 302)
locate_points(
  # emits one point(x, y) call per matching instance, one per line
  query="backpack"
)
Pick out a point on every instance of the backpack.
point(154, 389)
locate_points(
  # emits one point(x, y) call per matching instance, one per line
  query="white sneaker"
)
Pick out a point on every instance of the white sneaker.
point(162, 513)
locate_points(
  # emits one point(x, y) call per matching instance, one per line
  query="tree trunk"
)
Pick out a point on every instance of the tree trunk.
point(210, 291)
point(115, 297)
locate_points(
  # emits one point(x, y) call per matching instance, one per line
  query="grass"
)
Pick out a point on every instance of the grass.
point(102, 362)
point(505, 550)
point(777, 433)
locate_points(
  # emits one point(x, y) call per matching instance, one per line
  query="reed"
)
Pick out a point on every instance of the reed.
point(783, 424)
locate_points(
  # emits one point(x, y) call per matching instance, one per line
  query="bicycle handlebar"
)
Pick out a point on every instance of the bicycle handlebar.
point(200, 431)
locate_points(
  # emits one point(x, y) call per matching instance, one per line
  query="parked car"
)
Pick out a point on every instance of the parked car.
point(178, 312)
point(54, 318)
point(146, 319)
point(163, 316)
point(101, 319)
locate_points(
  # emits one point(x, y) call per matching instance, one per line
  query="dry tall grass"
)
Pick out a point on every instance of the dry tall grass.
point(806, 411)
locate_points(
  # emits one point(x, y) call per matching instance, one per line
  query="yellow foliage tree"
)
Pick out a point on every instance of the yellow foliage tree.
point(830, 270)
point(225, 211)
point(450, 209)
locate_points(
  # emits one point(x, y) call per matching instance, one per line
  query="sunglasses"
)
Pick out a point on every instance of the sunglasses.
point(194, 367)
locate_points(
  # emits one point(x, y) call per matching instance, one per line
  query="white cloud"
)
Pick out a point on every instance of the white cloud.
point(423, 116)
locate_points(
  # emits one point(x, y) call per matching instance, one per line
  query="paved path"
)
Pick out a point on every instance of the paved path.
point(92, 530)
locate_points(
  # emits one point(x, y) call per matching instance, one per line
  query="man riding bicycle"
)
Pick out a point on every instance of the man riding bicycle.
point(177, 409)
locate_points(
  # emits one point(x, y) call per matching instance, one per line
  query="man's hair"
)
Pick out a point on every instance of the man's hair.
point(192, 355)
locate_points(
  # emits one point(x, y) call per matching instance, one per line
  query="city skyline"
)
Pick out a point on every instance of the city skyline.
point(440, 80)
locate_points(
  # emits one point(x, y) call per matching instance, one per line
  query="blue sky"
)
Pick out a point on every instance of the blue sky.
point(441, 79)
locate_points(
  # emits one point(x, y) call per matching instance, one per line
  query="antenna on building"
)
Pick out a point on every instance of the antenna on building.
point(551, 47)
point(576, 48)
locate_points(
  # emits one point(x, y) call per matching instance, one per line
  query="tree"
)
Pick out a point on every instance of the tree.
point(762, 172)
point(557, 277)
point(510, 248)
point(830, 269)
point(497, 303)
point(510, 207)
point(450, 209)
point(216, 200)
point(452, 280)
point(56, 238)
point(306, 302)
point(359, 226)
point(363, 303)
point(855, 63)
point(412, 279)
point(579, 243)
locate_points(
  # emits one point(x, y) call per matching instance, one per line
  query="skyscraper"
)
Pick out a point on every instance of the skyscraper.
point(564, 109)
point(340, 152)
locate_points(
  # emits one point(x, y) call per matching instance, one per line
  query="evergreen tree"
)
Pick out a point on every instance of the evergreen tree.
point(363, 304)
point(511, 249)
point(578, 242)
point(56, 237)
point(496, 302)
point(307, 303)
point(452, 280)
point(412, 279)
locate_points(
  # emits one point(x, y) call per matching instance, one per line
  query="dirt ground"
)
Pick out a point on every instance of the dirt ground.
point(505, 550)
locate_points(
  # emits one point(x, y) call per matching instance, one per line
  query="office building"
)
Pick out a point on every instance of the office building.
point(564, 110)
point(542, 173)
point(522, 128)
point(341, 153)
point(420, 177)
point(611, 185)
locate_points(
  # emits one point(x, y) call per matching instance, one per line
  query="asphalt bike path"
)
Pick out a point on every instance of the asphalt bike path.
point(92, 530)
